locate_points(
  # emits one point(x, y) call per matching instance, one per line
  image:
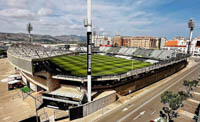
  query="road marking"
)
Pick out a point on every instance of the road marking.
point(130, 113)
point(141, 113)
point(127, 106)
point(153, 112)
point(197, 93)
point(125, 109)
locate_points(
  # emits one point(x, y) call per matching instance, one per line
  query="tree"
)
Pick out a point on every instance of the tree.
point(195, 83)
point(173, 101)
point(190, 85)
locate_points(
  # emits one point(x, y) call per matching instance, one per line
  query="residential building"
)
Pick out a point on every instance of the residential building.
point(101, 40)
point(139, 42)
point(181, 45)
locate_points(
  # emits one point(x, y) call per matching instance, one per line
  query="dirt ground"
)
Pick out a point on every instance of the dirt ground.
point(12, 107)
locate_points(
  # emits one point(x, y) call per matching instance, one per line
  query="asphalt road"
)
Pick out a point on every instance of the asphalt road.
point(147, 107)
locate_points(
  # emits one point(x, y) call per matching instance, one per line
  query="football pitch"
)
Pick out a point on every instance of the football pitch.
point(101, 65)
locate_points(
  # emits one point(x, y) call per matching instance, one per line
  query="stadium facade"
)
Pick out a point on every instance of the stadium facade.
point(39, 73)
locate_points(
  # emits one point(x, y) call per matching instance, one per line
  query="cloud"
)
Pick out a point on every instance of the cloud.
point(17, 13)
point(127, 17)
point(16, 3)
point(44, 12)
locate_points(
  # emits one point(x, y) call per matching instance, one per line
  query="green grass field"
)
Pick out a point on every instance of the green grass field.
point(101, 65)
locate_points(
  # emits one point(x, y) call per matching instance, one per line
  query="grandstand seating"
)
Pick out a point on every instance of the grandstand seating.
point(155, 53)
point(104, 49)
point(27, 50)
point(113, 50)
point(130, 51)
point(140, 52)
point(31, 51)
point(167, 54)
point(123, 50)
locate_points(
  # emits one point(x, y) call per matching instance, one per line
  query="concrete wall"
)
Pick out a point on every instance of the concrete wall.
point(149, 78)
point(98, 104)
point(20, 63)
point(88, 108)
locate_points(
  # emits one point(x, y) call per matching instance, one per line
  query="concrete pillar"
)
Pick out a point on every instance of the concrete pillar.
point(52, 84)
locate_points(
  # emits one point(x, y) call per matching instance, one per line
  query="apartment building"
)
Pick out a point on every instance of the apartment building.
point(139, 42)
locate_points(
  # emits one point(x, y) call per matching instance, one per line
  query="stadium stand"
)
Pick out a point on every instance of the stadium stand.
point(167, 54)
point(148, 52)
point(130, 51)
point(113, 50)
point(122, 50)
point(155, 53)
point(31, 51)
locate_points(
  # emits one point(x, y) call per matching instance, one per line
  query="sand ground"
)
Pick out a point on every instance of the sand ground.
point(12, 107)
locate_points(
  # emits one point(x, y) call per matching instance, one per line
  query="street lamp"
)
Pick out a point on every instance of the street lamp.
point(29, 29)
point(191, 27)
point(88, 24)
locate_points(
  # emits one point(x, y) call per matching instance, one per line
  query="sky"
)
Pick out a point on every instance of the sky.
point(163, 18)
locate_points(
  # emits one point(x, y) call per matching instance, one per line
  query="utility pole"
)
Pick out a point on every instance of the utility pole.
point(88, 24)
point(29, 29)
point(191, 27)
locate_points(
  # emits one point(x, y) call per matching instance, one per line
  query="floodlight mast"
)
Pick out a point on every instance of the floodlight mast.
point(89, 49)
point(191, 27)
point(29, 29)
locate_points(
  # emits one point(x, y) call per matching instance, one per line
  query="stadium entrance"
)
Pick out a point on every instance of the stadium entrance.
point(63, 98)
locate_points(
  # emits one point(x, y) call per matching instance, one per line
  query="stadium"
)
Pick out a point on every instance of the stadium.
point(61, 72)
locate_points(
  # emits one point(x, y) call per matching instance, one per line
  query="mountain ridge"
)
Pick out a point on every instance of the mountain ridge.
point(41, 38)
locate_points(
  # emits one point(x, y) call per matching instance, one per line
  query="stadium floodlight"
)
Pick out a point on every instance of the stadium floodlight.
point(29, 29)
point(88, 24)
point(191, 27)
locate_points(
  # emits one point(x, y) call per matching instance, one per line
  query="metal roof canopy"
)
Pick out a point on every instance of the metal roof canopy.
point(68, 92)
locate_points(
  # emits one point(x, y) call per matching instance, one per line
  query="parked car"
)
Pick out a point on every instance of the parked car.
point(15, 84)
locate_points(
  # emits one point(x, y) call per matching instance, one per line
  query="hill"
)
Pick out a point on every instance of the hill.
point(41, 38)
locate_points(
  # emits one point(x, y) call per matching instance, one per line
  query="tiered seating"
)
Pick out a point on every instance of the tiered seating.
point(147, 52)
point(113, 50)
point(96, 50)
point(155, 53)
point(123, 50)
point(102, 49)
point(27, 50)
point(130, 51)
point(139, 52)
point(167, 54)
point(106, 49)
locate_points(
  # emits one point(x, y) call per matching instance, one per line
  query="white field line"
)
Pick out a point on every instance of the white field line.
point(148, 101)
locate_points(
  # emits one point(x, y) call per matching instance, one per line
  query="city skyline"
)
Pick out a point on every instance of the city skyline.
point(131, 18)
